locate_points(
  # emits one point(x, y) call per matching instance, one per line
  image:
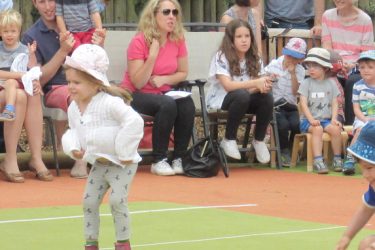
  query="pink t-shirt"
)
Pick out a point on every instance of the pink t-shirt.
point(166, 62)
point(348, 40)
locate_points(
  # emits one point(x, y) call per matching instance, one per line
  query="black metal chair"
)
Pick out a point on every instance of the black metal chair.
point(214, 118)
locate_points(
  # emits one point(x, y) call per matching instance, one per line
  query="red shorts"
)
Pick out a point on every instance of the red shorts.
point(58, 97)
point(82, 37)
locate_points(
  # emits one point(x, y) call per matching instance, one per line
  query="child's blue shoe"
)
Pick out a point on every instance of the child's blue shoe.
point(349, 166)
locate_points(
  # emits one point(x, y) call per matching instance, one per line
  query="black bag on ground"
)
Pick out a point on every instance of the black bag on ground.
point(202, 159)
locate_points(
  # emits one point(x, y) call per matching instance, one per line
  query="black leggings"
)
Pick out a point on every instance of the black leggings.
point(240, 102)
point(168, 114)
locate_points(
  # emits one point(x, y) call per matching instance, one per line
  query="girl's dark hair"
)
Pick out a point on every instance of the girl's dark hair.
point(243, 3)
point(227, 48)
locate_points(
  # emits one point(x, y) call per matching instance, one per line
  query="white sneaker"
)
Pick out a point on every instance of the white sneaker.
point(177, 166)
point(162, 168)
point(261, 151)
point(230, 148)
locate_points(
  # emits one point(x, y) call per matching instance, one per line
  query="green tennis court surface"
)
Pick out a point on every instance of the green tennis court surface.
point(160, 226)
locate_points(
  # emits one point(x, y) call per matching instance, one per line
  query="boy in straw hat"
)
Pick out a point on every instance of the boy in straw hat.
point(289, 73)
point(364, 150)
point(104, 131)
point(318, 100)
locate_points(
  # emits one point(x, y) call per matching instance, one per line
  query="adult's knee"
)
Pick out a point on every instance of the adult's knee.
point(21, 97)
point(168, 107)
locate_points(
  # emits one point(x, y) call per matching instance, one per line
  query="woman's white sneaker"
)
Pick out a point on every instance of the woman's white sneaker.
point(230, 148)
point(177, 166)
point(162, 168)
point(261, 151)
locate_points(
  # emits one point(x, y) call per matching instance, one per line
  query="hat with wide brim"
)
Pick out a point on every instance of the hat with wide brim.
point(320, 56)
point(364, 146)
point(91, 59)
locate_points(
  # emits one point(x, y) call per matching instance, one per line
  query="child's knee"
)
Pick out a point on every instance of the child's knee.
point(316, 130)
point(118, 203)
point(11, 84)
point(90, 203)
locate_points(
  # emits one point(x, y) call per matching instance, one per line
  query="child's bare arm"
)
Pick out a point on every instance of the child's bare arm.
point(359, 220)
point(32, 57)
point(10, 75)
point(307, 113)
point(335, 106)
point(358, 113)
point(61, 24)
point(97, 20)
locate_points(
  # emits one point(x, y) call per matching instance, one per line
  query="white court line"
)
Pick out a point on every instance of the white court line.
point(232, 237)
point(134, 212)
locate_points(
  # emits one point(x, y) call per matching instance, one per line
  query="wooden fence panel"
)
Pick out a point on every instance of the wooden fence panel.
point(127, 11)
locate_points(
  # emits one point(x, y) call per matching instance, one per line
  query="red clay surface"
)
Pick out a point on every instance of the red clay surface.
point(302, 196)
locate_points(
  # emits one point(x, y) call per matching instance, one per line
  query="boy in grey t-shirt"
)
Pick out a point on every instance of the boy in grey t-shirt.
point(318, 102)
point(12, 52)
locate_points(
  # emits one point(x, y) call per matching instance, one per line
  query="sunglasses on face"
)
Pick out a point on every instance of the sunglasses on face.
point(167, 12)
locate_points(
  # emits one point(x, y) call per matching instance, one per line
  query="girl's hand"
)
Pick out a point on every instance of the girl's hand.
point(154, 48)
point(32, 47)
point(78, 154)
point(315, 123)
point(265, 84)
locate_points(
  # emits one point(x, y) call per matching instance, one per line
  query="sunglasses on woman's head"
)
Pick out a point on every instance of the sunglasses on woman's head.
point(167, 12)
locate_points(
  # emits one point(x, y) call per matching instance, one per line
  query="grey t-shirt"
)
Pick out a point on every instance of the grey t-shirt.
point(289, 10)
point(319, 96)
point(7, 56)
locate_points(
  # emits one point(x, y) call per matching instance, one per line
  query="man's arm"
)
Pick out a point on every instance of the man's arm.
point(319, 7)
point(50, 69)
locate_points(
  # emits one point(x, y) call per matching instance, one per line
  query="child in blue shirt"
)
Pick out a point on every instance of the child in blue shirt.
point(364, 152)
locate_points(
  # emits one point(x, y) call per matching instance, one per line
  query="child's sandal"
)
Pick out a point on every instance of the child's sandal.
point(7, 116)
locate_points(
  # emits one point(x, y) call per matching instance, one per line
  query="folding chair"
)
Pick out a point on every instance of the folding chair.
point(219, 117)
point(223, 159)
point(50, 114)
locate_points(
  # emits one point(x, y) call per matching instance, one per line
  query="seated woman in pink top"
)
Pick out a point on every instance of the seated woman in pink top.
point(347, 30)
point(157, 60)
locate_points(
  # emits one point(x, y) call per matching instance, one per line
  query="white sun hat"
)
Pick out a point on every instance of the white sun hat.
point(92, 59)
point(320, 56)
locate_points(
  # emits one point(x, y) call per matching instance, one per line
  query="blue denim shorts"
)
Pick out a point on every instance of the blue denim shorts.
point(304, 125)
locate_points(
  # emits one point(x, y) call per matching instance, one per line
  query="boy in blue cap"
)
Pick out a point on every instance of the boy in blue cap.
point(363, 101)
point(364, 151)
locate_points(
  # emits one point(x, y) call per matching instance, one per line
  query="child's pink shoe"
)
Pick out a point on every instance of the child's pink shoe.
point(122, 246)
point(91, 247)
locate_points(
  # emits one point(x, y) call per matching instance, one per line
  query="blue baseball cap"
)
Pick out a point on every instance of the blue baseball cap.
point(364, 147)
point(369, 54)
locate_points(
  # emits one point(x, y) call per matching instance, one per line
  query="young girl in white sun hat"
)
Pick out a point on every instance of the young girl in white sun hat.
point(104, 131)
